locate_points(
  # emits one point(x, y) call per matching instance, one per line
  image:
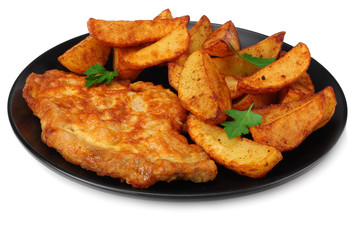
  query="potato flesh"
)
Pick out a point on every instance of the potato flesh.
point(174, 72)
point(166, 14)
point(198, 34)
point(239, 154)
point(202, 90)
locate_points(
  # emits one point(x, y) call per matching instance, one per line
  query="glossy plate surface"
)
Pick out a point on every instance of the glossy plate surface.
point(311, 151)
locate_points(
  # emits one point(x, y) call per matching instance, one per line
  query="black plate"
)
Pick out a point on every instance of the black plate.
point(27, 129)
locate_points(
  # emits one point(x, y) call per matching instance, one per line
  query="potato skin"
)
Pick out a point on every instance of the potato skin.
point(330, 105)
point(132, 33)
point(124, 72)
point(287, 131)
point(302, 88)
point(273, 112)
point(217, 44)
point(259, 100)
point(166, 49)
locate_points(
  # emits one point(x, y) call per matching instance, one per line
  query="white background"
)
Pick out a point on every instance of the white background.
point(37, 203)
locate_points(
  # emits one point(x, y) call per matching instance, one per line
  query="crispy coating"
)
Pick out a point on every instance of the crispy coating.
point(127, 132)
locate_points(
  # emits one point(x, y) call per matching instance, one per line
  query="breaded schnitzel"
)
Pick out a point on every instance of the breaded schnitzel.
point(127, 132)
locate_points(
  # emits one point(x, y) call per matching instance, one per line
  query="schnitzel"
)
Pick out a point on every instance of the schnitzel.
point(126, 131)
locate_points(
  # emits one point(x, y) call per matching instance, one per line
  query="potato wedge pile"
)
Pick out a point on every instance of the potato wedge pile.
point(210, 77)
point(136, 44)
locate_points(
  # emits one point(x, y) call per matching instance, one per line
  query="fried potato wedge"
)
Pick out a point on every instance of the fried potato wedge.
point(273, 112)
point(239, 154)
point(85, 54)
point(267, 48)
point(302, 88)
point(166, 14)
point(124, 72)
point(232, 83)
point(259, 100)
point(279, 74)
point(166, 49)
point(330, 106)
point(202, 89)
point(287, 131)
point(132, 33)
point(198, 34)
point(217, 44)
point(174, 71)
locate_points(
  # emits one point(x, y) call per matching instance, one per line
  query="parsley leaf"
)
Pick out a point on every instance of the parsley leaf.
point(98, 74)
point(243, 120)
point(259, 62)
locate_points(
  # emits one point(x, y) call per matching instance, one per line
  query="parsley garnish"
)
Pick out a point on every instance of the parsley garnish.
point(243, 120)
point(259, 62)
point(98, 74)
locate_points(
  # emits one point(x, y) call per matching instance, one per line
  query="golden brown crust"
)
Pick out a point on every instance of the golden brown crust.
point(131, 133)
point(132, 33)
point(287, 131)
point(218, 42)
